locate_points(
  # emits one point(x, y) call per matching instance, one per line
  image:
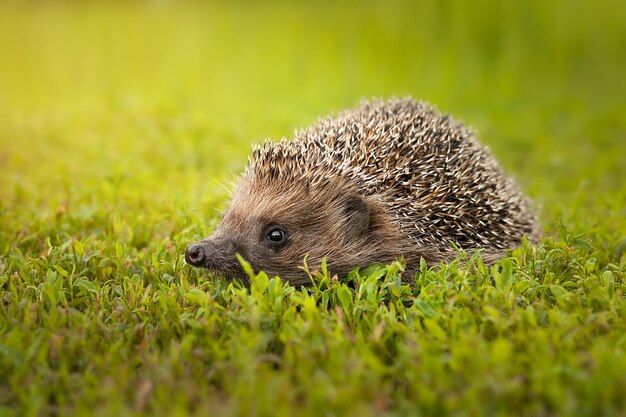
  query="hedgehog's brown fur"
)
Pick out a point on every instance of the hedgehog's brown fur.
point(385, 180)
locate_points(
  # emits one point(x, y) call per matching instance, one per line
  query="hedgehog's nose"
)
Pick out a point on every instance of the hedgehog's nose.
point(195, 254)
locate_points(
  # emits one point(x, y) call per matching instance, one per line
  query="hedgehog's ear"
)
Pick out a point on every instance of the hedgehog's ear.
point(357, 217)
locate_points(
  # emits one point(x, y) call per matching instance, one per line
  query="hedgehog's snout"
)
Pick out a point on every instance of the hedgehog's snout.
point(196, 254)
point(211, 253)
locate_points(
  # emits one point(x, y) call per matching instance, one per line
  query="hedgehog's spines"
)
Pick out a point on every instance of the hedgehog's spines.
point(437, 180)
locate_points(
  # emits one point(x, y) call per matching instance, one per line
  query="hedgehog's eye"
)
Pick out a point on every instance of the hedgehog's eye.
point(276, 235)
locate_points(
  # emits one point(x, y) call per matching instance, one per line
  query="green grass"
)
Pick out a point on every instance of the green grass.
point(120, 121)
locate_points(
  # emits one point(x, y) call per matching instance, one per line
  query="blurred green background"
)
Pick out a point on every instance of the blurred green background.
point(163, 99)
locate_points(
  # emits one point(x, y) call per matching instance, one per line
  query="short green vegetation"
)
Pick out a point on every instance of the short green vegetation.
point(121, 124)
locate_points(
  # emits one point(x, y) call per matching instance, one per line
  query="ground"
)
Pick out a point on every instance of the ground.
point(122, 125)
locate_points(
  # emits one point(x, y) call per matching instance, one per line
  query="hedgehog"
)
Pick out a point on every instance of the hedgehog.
point(387, 180)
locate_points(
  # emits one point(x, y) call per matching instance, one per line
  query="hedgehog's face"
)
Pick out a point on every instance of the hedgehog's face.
point(275, 229)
